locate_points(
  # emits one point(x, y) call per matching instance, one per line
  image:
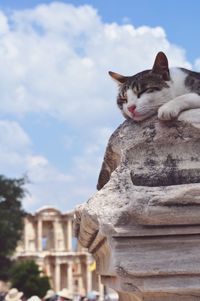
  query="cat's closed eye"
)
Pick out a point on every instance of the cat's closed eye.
point(123, 97)
point(152, 89)
point(148, 90)
point(122, 100)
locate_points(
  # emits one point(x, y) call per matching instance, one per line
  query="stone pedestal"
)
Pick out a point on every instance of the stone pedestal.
point(143, 226)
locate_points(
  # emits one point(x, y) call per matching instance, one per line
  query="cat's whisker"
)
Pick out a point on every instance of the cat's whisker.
point(165, 90)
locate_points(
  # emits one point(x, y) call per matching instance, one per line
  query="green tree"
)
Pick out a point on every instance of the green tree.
point(11, 220)
point(26, 277)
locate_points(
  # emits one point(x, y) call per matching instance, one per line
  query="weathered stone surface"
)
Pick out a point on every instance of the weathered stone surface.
point(143, 226)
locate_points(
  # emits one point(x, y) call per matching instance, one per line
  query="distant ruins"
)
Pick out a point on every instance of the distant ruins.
point(48, 241)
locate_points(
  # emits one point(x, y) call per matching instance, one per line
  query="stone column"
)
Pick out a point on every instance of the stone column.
point(79, 287)
point(25, 234)
point(55, 226)
point(88, 277)
point(100, 289)
point(69, 235)
point(57, 277)
point(48, 269)
point(69, 277)
point(39, 234)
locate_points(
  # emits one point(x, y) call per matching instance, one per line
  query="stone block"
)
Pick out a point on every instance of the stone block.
point(143, 225)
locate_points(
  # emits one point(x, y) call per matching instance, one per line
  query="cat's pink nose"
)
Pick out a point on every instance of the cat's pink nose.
point(132, 109)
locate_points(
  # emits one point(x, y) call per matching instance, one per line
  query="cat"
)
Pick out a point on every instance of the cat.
point(165, 90)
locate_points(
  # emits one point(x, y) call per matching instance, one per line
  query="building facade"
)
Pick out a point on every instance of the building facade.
point(48, 241)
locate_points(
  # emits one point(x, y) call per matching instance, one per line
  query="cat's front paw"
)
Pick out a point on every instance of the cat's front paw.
point(168, 111)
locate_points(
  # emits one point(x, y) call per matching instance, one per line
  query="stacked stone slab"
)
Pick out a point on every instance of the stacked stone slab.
point(143, 226)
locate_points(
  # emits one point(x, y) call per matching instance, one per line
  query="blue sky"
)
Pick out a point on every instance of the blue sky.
point(179, 18)
point(57, 103)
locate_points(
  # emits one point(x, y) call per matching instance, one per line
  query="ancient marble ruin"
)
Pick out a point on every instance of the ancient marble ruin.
point(143, 226)
point(48, 240)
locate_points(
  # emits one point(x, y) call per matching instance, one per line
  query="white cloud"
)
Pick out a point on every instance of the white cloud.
point(47, 184)
point(16, 158)
point(4, 28)
point(13, 137)
point(54, 61)
point(197, 64)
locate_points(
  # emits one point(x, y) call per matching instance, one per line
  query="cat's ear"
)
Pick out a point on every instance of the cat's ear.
point(161, 66)
point(120, 79)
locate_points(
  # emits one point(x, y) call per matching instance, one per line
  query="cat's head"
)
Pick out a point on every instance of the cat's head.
point(142, 94)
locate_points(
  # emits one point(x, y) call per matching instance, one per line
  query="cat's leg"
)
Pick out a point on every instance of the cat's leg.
point(172, 108)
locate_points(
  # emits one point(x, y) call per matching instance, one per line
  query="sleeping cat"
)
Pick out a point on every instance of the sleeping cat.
point(163, 90)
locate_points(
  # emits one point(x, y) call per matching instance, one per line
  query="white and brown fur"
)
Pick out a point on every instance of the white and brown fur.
point(165, 90)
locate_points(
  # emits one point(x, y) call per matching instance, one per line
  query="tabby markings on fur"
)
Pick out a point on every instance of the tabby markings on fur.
point(165, 90)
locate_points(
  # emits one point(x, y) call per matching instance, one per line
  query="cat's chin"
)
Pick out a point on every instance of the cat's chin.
point(140, 118)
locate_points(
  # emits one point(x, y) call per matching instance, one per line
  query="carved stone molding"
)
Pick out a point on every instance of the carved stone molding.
point(143, 226)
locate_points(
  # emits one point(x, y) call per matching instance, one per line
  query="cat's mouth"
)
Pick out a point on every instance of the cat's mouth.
point(140, 117)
